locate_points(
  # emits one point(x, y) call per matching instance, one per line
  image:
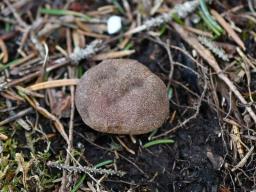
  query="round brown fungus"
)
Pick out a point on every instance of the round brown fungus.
point(122, 96)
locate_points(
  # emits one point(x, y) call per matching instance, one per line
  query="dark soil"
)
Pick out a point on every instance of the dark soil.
point(183, 166)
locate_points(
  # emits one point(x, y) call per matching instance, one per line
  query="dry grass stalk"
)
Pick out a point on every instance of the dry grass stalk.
point(92, 34)
point(113, 55)
point(125, 146)
point(80, 54)
point(228, 29)
point(53, 84)
point(244, 160)
point(4, 49)
point(16, 116)
point(198, 31)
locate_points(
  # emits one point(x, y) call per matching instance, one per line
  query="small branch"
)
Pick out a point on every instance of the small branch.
point(90, 50)
point(244, 160)
point(213, 47)
point(86, 169)
point(228, 28)
point(70, 136)
point(53, 84)
point(16, 116)
point(15, 14)
point(182, 10)
point(112, 55)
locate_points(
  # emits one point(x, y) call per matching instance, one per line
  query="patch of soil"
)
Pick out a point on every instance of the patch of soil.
point(183, 166)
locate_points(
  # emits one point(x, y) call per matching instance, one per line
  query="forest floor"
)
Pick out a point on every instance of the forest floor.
point(205, 52)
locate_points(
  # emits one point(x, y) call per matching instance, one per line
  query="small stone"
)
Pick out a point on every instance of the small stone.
point(122, 96)
point(114, 24)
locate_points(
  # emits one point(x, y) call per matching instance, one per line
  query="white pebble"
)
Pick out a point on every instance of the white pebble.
point(114, 24)
point(194, 53)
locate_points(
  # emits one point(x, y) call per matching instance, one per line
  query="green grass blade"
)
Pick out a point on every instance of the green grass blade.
point(118, 6)
point(158, 142)
point(59, 12)
point(5, 66)
point(215, 31)
point(78, 184)
point(53, 11)
point(209, 17)
point(103, 163)
point(129, 46)
point(170, 93)
point(177, 19)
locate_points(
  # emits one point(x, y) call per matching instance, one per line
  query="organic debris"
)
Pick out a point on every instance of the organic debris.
point(203, 51)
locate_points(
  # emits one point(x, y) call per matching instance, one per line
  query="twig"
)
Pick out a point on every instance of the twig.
point(20, 121)
point(227, 27)
point(246, 64)
point(167, 48)
point(16, 116)
point(125, 146)
point(64, 179)
point(44, 53)
point(127, 9)
point(113, 55)
point(8, 20)
point(244, 160)
point(182, 10)
point(91, 34)
point(43, 50)
point(28, 58)
point(70, 136)
point(16, 5)
point(86, 169)
point(53, 84)
point(29, 92)
point(15, 13)
point(4, 50)
point(198, 31)
point(91, 49)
